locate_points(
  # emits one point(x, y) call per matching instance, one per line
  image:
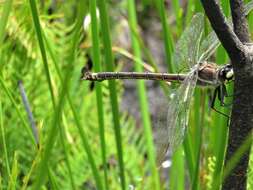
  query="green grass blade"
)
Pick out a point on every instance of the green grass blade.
point(242, 150)
point(250, 18)
point(148, 55)
point(177, 171)
point(178, 12)
point(143, 98)
point(76, 117)
point(42, 169)
point(146, 2)
point(52, 180)
point(77, 122)
point(99, 95)
point(4, 18)
point(192, 141)
point(46, 67)
point(64, 147)
point(199, 124)
point(62, 131)
point(189, 10)
point(167, 37)
point(5, 151)
point(231, 164)
point(198, 6)
point(112, 86)
point(87, 148)
point(189, 156)
point(6, 10)
point(27, 178)
point(225, 7)
point(37, 27)
point(13, 178)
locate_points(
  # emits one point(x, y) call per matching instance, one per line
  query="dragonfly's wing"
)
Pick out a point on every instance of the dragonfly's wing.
point(208, 46)
point(172, 135)
point(248, 7)
point(211, 42)
point(187, 47)
point(180, 106)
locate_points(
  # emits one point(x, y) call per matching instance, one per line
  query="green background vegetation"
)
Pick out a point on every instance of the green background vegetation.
point(85, 142)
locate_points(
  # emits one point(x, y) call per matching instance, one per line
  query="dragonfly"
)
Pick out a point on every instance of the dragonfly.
point(191, 53)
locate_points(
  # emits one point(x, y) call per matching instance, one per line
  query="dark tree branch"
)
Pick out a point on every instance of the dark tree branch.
point(226, 35)
point(241, 57)
point(241, 125)
point(239, 20)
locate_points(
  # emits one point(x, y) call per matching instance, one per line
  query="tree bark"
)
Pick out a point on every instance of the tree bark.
point(239, 20)
point(236, 42)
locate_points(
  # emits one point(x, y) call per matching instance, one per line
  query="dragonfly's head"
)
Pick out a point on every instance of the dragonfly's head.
point(226, 73)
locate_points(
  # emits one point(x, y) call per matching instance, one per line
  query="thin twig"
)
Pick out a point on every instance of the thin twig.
point(240, 23)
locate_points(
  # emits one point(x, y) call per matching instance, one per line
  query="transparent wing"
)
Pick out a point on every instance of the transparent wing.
point(180, 107)
point(248, 7)
point(186, 50)
point(208, 46)
point(172, 135)
point(211, 42)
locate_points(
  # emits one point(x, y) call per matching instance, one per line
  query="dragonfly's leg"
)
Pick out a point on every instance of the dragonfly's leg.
point(217, 93)
point(214, 97)
point(223, 93)
point(210, 94)
point(224, 89)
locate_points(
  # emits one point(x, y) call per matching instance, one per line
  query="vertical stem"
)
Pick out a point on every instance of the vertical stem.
point(112, 86)
point(168, 43)
point(199, 129)
point(143, 97)
point(99, 95)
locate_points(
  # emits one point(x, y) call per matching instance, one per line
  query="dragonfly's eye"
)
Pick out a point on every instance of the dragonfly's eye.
point(227, 73)
point(230, 74)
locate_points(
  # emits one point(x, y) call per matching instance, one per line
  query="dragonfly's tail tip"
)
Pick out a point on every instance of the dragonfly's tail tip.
point(87, 75)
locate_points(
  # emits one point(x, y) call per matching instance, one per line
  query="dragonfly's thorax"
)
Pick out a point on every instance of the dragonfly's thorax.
point(210, 74)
